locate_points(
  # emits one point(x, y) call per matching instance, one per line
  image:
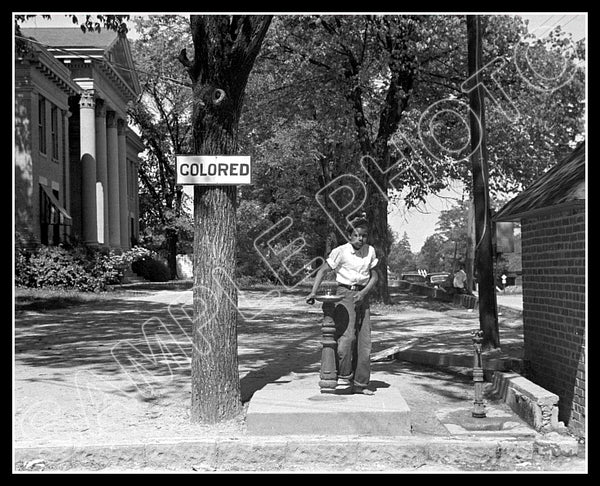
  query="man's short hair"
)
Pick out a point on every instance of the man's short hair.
point(360, 222)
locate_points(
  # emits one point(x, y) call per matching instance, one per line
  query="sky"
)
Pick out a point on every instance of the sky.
point(420, 222)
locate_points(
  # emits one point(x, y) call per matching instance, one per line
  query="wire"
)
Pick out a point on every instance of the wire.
point(548, 18)
point(556, 23)
point(574, 17)
point(112, 64)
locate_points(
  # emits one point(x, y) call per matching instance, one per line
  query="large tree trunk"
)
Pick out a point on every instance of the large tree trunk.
point(216, 391)
point(225, 48)
point(377, 211)
point(484, 260)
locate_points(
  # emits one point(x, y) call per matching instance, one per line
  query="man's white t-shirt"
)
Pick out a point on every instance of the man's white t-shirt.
point(352, 267)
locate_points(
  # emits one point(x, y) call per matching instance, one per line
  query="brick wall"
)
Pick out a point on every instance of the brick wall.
point(554, 308)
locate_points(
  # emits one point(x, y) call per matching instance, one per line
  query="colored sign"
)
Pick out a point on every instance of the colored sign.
point(214, 170)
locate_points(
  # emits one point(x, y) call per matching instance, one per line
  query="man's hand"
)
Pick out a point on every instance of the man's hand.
point(359, 296)
point(310, 299)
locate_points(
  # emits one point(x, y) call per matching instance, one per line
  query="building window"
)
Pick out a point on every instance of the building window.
point(54, 219)
point(64, 137)
point(54, 132)
point(42, 123)
point(131, 179)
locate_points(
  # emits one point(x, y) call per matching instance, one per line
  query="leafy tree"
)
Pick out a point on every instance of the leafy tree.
point(367, 64)
point(87, 23)
point(432, 256)
point(163, 114)
point(314, 70)
point(301, 142)
point(401, 257)
point(452, 226)
point(548, 114)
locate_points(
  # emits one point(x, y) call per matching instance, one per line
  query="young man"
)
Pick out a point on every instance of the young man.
point(354, 266)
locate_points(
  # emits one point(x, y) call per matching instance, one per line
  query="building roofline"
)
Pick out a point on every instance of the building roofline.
point(41, 59)
point(552, 189)
point(537, 212)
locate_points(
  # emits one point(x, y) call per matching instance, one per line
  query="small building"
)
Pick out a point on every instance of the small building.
point(75, 157)
point(552, 213)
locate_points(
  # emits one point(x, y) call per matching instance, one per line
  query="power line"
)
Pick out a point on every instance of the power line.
point(556, 23)
point(548, 18)
point(574, 17)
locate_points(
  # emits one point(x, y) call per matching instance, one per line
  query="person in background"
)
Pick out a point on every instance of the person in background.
point(460, 281)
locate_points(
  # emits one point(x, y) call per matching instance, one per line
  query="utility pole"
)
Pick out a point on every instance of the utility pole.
point(484, 258)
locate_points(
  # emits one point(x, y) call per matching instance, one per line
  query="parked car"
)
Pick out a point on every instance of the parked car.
point(413, 277)
point(437, 279)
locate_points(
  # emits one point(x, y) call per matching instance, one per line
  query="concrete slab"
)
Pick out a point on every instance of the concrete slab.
point(294, 405)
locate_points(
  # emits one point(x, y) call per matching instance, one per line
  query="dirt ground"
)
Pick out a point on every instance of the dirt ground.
point(119, 370)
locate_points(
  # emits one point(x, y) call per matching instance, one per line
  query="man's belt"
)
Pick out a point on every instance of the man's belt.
point(352, 287)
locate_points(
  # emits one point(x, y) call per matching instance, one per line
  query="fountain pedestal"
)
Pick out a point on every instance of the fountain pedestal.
point(328, 375)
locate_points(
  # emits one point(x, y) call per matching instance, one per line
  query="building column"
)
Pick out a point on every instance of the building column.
point(87, 144)
point(102, 173)
point(112, 156)
point(123, 200)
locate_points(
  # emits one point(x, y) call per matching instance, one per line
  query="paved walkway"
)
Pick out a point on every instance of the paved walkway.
point(107, 386)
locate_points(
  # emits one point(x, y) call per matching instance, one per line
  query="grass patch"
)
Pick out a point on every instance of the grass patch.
point(27, 299)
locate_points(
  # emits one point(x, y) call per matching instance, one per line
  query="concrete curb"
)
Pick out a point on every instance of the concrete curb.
point(535, 405)
point(296, 453)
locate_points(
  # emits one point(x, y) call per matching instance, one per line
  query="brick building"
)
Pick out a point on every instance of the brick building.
point(75, 156)
point(552, 213)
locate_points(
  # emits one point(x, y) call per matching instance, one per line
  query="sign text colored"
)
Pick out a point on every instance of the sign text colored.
point(214, 169)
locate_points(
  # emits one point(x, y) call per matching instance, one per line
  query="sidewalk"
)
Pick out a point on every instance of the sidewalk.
point(83, 402)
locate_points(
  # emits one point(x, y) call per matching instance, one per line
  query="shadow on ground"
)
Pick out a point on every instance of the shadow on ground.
point(144, 343)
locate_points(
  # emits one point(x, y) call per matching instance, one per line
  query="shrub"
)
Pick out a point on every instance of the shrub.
point(286, 265)
point(151, 268)
point(56, 267)
point(78, 268)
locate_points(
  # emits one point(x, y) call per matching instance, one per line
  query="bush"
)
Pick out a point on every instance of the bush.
point(78, 268)
point(57, 267)
point(151, 268)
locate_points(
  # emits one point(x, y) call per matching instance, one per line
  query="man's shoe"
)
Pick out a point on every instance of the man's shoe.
point(358, 390)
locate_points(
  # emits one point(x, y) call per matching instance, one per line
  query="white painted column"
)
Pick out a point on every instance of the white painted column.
point(112, 153)
point(102, 173)
point(87, 144)
point(123, 199)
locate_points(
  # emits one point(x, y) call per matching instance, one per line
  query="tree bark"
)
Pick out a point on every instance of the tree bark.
point(484, 261)
point(225, 48)
point(216, 394)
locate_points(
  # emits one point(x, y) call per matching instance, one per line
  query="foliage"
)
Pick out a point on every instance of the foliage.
point(433, 254)
point(163, 115)
point(76, 267)
point(277, 261)
point(94, 23)
point(401, 258)
point(452, 225)
point(152, 268)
